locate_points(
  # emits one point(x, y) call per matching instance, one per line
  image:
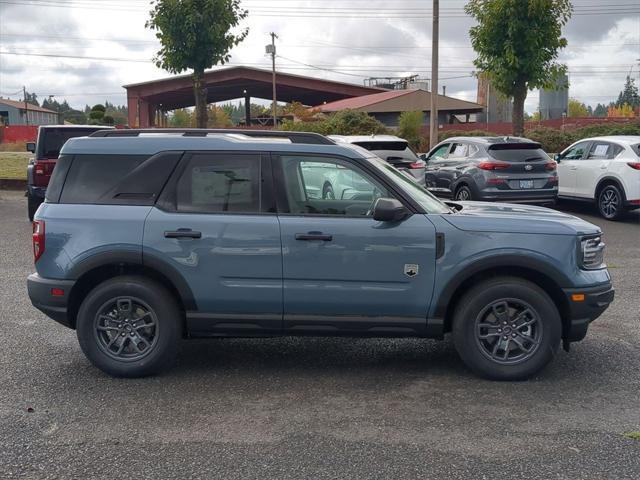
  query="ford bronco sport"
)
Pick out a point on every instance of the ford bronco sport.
point(148, 238)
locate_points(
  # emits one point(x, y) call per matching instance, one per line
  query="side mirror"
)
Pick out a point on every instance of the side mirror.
point(389, 210)
point(557, 158)
point(31, 147)
point(424, 157)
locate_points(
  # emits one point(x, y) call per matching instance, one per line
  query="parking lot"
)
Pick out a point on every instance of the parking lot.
point(316, 407)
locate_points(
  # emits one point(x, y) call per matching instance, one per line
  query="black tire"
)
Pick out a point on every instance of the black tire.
point(610, 202)
point(463, 194)
point(99, 332)
point(477, 345)
point(32, 205)
point(327, 192)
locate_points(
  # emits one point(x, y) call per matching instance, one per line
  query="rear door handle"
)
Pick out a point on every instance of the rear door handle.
point(183, 233)
point(314, 236)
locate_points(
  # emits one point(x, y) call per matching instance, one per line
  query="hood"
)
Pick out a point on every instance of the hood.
point(516, 218)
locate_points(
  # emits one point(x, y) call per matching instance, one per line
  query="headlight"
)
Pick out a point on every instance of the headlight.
point(592, 250)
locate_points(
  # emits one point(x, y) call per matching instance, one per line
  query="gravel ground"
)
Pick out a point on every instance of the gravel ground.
point(323, 407)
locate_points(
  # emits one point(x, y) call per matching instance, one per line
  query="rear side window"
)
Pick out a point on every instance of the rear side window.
point(213, 183)
point(459, 150)
point(54, 189)
point(517, 152)
point(92, 176)
point(603, 151)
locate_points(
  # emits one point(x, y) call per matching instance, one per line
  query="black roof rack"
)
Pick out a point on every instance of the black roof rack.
point(294, 137)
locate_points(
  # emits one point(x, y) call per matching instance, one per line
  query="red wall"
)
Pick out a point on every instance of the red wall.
point(18, 133)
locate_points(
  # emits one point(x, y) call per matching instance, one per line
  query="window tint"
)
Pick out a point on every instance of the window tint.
point(328, 187)
point(441, 151)
point(459, 150)
point(576, 152)
point(378, 145)
point(58, 176)
point(52, 139)
point(518, 153)
point(217, 183)
point(90, 177)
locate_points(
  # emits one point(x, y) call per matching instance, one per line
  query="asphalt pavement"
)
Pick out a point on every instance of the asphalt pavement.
point(316, 407)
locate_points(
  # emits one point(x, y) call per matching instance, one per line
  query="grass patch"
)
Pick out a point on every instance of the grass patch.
point(632, 435)
point(14, 147)
point(14, 165)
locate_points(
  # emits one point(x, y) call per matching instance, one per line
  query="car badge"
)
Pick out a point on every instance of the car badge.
point(528, 168)
point(411, 269)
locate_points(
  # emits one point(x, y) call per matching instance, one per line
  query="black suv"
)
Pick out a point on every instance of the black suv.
point(492, 168)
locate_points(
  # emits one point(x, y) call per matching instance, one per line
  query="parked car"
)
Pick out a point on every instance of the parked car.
point(46, 149)
point(392, 149)
point(604, 170)
point(507, 169)
point(145, 239)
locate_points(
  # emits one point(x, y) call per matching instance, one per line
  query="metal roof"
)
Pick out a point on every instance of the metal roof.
point(400, 101)
point(21, 105)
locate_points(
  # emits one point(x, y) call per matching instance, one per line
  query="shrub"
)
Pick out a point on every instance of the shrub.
point(346, 122)
point(99, 108)
point(409, 127)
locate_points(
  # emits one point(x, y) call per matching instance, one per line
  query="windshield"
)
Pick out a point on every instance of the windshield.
point(422, 196)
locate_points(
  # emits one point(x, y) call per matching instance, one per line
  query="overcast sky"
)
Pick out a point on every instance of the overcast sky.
point(348, 40)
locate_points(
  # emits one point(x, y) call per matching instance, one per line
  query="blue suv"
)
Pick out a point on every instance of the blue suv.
point(146, 238)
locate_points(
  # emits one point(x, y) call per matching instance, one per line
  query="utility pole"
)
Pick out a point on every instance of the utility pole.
point(435, 41)
point(26, 106)
point(271, 50)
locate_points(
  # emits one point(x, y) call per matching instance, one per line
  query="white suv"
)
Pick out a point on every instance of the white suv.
point(603, 169)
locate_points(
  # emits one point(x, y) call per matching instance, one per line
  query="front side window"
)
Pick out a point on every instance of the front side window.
point(219, 184)
point(440, 152)
point(576, 152)
point(328, 186)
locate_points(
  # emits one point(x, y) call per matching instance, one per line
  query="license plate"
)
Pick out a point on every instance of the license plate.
point(526, 183)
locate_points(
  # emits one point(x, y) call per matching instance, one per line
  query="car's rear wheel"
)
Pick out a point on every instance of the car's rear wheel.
point(129, 326)
point(506, 329)
point(610, 202)
point(463, 194)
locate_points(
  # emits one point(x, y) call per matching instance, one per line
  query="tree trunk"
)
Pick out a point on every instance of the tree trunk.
point(200, 94)
point(519, 96)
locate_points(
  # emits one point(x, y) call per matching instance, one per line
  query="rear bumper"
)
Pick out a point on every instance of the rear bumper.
point(582, 313)
point(55, 307)
point(514, 196)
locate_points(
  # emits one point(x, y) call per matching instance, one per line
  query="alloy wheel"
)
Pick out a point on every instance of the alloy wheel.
point(508, 331)
point(126, 328)
point(609, 202)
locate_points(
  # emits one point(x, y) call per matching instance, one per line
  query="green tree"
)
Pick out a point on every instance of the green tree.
point(629, 95)
point(195, 34)
point(181, 118)
point(31, 98)
point(600, 110)
point(409, 127)
point(517, 44)
point(577, 109)
point(346, 122)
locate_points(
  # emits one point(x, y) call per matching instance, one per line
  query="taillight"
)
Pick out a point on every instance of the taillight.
point(634, 165)
point(416, 165)
point(550, 166)
point(493, 165)
point(496, 181)
point(38, 239)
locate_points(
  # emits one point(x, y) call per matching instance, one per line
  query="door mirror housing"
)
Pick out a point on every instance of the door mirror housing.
point(389, 210)
point(557, 158)
point(31, 147)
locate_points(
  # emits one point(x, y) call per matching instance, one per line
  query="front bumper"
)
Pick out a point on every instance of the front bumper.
point(53, 306)
point(582, 312)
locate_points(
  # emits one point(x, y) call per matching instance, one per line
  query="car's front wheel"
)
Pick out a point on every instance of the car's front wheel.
point(129, 326)
point(463, 194)
point(506, 329)
point(610, 202)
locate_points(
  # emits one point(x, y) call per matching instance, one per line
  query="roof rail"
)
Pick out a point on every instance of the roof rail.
point(294, 137)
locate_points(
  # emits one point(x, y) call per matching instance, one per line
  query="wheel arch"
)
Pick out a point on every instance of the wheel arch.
point(609, 180)
point(544, 276)
point(94, 271)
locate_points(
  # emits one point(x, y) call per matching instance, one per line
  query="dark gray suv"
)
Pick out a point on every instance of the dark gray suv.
point(492, 168)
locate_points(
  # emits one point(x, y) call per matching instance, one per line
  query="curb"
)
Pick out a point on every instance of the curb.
point(12, 184)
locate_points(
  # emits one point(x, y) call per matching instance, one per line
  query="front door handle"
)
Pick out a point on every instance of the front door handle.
point(183, 233)
point(314, 236)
